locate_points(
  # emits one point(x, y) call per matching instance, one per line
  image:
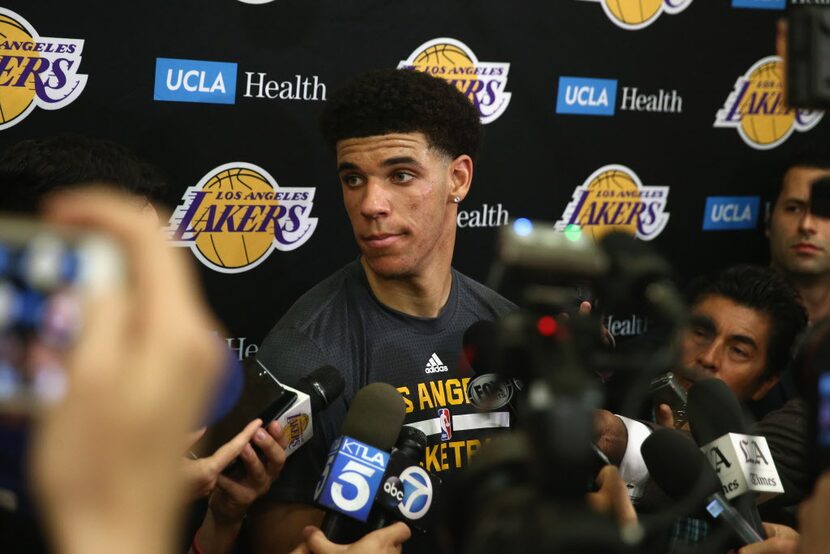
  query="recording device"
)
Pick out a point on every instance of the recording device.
point(680, 469)
point(742, 462)
point(820, 197)
point(48, 276)
point(409, 492)
point(666, 389)
point(353, 473)
point(808, 54)
point(263, 397)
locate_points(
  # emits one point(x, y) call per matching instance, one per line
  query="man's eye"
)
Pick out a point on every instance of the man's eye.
point(740, 352)
point(351, 180)
point(792, 208)
point(402, 177)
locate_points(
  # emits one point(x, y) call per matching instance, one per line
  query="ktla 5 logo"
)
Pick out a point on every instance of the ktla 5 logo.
point(351, 477)
point(237, 215)
point(634, 15)
point(37, 71)
point(613, 198)
point(756, 108)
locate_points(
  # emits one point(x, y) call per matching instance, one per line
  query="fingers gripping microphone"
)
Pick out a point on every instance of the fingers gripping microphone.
point(742, 462)
point(357, 460)
point(680, 469)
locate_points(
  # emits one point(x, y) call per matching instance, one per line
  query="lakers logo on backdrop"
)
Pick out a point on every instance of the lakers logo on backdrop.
point(756, 108)
point(36, 71)
point(484, 83)
point(637, 14)
point(614, 199)
point(237, 215)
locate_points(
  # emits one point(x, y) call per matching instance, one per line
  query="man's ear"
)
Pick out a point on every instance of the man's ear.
point(765, 386)
point(461, 175)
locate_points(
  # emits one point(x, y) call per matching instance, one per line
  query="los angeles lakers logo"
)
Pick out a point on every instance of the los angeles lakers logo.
point(634, 15)
point(37, 72)
point(756, 108)
point(237, 215)
point(614, 199)
point(484, 83)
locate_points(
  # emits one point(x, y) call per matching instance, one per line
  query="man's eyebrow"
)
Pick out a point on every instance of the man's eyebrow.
point(795, 200)
point(343, 166)
point(703, 321)
point(744, 339)
point(400, 160)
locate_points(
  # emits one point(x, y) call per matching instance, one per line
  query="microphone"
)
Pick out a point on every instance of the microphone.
point(358, 459)
point(263, 396)
point(682, 472)
point(408, 491)
point(742, 462)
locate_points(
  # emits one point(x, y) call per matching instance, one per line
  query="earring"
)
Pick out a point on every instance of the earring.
point(456, 199)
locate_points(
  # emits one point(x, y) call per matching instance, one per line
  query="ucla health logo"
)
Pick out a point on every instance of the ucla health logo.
point(756, 108)
point(583, 96)
point(37, 71)
point(760, 4)
point(484, 83)
point(195, 81)
point(237, 215)
point(634, 15)
point(726, 213)
point(614, 199)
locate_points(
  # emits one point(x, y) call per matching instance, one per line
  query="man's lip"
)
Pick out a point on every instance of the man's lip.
point(381, 240)
point(805, 247)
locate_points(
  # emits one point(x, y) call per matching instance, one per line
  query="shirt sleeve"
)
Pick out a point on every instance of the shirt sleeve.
point(632, 467)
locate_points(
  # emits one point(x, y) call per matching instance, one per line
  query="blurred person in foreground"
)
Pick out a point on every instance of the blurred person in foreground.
point(106, 457)
point(29, 171)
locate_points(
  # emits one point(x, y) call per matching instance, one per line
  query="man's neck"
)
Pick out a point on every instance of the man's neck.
point(815, 292)
point(421, 296)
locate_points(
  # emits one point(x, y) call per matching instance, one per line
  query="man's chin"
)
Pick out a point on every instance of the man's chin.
point(387, 267)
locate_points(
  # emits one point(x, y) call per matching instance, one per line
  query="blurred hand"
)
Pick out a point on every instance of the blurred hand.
point(105, 459)
point(813, 518)
point(235, 494)
point(388, 540)
point(200, 475)
point(612, 497)
point(780, 540)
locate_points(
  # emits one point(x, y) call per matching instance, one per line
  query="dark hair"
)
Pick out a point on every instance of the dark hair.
point(765, 290)
point(30, 169)
point(403, 101)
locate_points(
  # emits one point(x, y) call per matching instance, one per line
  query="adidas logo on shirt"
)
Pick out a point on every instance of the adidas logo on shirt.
point(435, 365)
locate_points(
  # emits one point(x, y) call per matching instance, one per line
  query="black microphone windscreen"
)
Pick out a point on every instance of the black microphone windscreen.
point(375, 416)
point(713, 411)
point(324, 385)
point(677, 466)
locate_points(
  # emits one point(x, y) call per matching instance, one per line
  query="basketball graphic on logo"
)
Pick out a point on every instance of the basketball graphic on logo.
point(609, 187)
point(765, 83)
point(223, 246)
point(15, 100)
point(449, 61)
point(634, 12)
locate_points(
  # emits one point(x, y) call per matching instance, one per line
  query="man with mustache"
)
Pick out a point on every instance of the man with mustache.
point(799, 241)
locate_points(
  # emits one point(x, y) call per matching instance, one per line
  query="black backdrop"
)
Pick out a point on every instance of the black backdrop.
point(533, 157)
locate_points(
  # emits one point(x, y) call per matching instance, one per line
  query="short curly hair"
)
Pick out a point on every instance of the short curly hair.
point(387, 101)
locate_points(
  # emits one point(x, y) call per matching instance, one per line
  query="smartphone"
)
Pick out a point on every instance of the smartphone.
point(666, 389)
point(48, 275)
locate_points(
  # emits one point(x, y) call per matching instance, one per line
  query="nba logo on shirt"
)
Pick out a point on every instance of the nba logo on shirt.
point(445, 421)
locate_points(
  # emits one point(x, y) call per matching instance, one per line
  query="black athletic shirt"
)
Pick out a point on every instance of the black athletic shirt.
point(340, 322)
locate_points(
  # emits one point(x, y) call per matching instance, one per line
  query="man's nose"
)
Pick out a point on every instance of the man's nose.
point(375, 202)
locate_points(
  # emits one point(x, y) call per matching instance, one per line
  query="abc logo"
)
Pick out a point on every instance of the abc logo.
point(417, 492)
point(394, 488)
